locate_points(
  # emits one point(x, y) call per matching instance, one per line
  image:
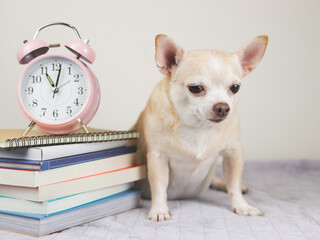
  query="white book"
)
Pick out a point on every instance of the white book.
point(74, 186)
point(57, 205)
point(25, 178)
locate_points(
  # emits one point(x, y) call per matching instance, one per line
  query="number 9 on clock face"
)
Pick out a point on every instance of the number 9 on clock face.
point(55, 90)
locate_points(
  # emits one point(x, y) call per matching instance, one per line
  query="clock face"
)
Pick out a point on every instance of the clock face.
point(54, 89)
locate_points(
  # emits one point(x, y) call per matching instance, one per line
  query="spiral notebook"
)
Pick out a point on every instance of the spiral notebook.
point(12, 138)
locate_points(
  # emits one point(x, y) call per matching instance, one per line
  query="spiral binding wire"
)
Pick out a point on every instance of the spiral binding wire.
point(47, 140)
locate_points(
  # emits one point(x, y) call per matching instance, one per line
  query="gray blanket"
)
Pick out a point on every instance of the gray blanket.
point(287, 192)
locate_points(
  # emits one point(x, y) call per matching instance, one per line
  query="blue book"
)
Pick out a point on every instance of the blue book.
point(38, 225)
point(64, 161)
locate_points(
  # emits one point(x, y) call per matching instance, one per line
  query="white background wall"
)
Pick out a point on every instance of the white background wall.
point(280, 113)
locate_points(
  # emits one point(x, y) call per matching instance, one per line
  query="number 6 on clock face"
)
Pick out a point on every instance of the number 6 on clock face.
point(55, 90)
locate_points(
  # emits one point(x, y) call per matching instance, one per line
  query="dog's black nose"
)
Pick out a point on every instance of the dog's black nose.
point(221, 110)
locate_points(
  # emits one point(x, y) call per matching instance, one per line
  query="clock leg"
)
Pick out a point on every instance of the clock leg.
point(29, 128)
point(82, 126)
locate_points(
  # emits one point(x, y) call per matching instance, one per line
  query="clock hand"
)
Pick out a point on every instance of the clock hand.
point(56, 89)
point(50, 80)
point(64, 84)
point(57, 82)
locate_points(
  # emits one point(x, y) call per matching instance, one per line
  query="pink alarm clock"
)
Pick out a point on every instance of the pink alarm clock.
point(58, 93)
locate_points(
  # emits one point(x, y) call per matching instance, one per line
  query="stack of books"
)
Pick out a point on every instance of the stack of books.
point(56, 182)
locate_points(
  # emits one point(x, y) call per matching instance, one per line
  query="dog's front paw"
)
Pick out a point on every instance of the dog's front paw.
point(159, 214)
point(247, 211)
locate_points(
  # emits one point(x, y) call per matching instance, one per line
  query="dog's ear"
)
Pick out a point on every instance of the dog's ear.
point(168, 54)
point(251, 54)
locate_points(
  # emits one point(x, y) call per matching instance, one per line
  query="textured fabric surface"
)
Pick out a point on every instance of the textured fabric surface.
point(288, 193)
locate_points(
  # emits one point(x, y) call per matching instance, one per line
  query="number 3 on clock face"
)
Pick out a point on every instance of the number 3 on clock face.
point(56, 90)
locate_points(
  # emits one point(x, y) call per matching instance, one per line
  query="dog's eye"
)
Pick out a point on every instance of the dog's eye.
point(196, 89)
point(235, 88)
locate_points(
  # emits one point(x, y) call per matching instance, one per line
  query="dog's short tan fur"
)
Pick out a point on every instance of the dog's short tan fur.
point(182, 133)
